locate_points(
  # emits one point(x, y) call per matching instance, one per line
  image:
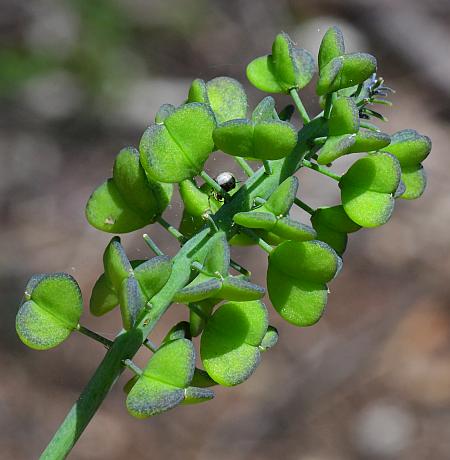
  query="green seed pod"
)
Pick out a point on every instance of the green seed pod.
point(270, 339)
point(282, 199)
point(344, 71)
point(177, 332)
point(268, 140)
point(289, 229)
point(256, 219)
point(410, 148)
point(335, 147)
point(363, 141)
point(129, 200)
point(153, 274)
point(230, 342)
point(132, 301)
point(332, 226)
point(164, 111)
point(264, 111)
point(116, 263)
point(50, 310)
point(288, 67)
point(104, 297)
point(344, 117)
point(165, 381)
point(225, 95)
point(296, 279)
point(178, 148)
point(201, 288)
point(367, 189)
point(332, 46)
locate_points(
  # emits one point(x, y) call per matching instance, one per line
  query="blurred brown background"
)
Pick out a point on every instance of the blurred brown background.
point(79, 79)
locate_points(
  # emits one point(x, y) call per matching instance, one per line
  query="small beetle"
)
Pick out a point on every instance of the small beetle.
point(227, 181)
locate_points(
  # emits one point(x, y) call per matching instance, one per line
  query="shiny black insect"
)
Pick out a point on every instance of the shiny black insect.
point(227, 181)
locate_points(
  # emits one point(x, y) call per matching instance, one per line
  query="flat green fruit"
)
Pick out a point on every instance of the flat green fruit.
point(50, 310)
point(415, 181)
point(268, 140)
point(282, 199)
point(335, 147)
point(116, 263)
point(178, 148)
point(132, 300)
point(344, 117)
point(165, 381)
point(332, 46)
point(129, 200)
point(225, 95)
point(297, 277)
point(332, 226)
point(286, 68)
point(104, 297)
point(264, 111)
point(153, 274)
point(345, 71)
point(231, 339)
point(410, 148)
point(367, 189)
point(270, 339)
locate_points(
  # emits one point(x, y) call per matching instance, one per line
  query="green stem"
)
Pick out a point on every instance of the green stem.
point(299, 104)
point(320, 140)
point(304, 206)
point(171, 229)
point(264, 245)
point(328, 105)
point(267, 167)
point(133, 368)
point(93, 335)
point(244, 165)
point(152, 245)
point(211, 222)
point(214, 185)
point(127, 343)
point(321, 170)
point(199, 268)
point(239, 268)
point(150, 345)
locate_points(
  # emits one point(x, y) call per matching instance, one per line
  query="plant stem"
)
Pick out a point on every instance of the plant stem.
point(267, 167)
point(299, 104)
point(133, 368)
point(211, 222)
point(152, 245)
point(239, 268)
point(199, 268)
point(214, 185)
point(328, 105)
point(150, 345)
point(171, 229)
point(264, 245)
point(93, 335)
point(244, 165)
point(320, 140)
point(304, 206)
point(321, 170)
point(127, 343)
